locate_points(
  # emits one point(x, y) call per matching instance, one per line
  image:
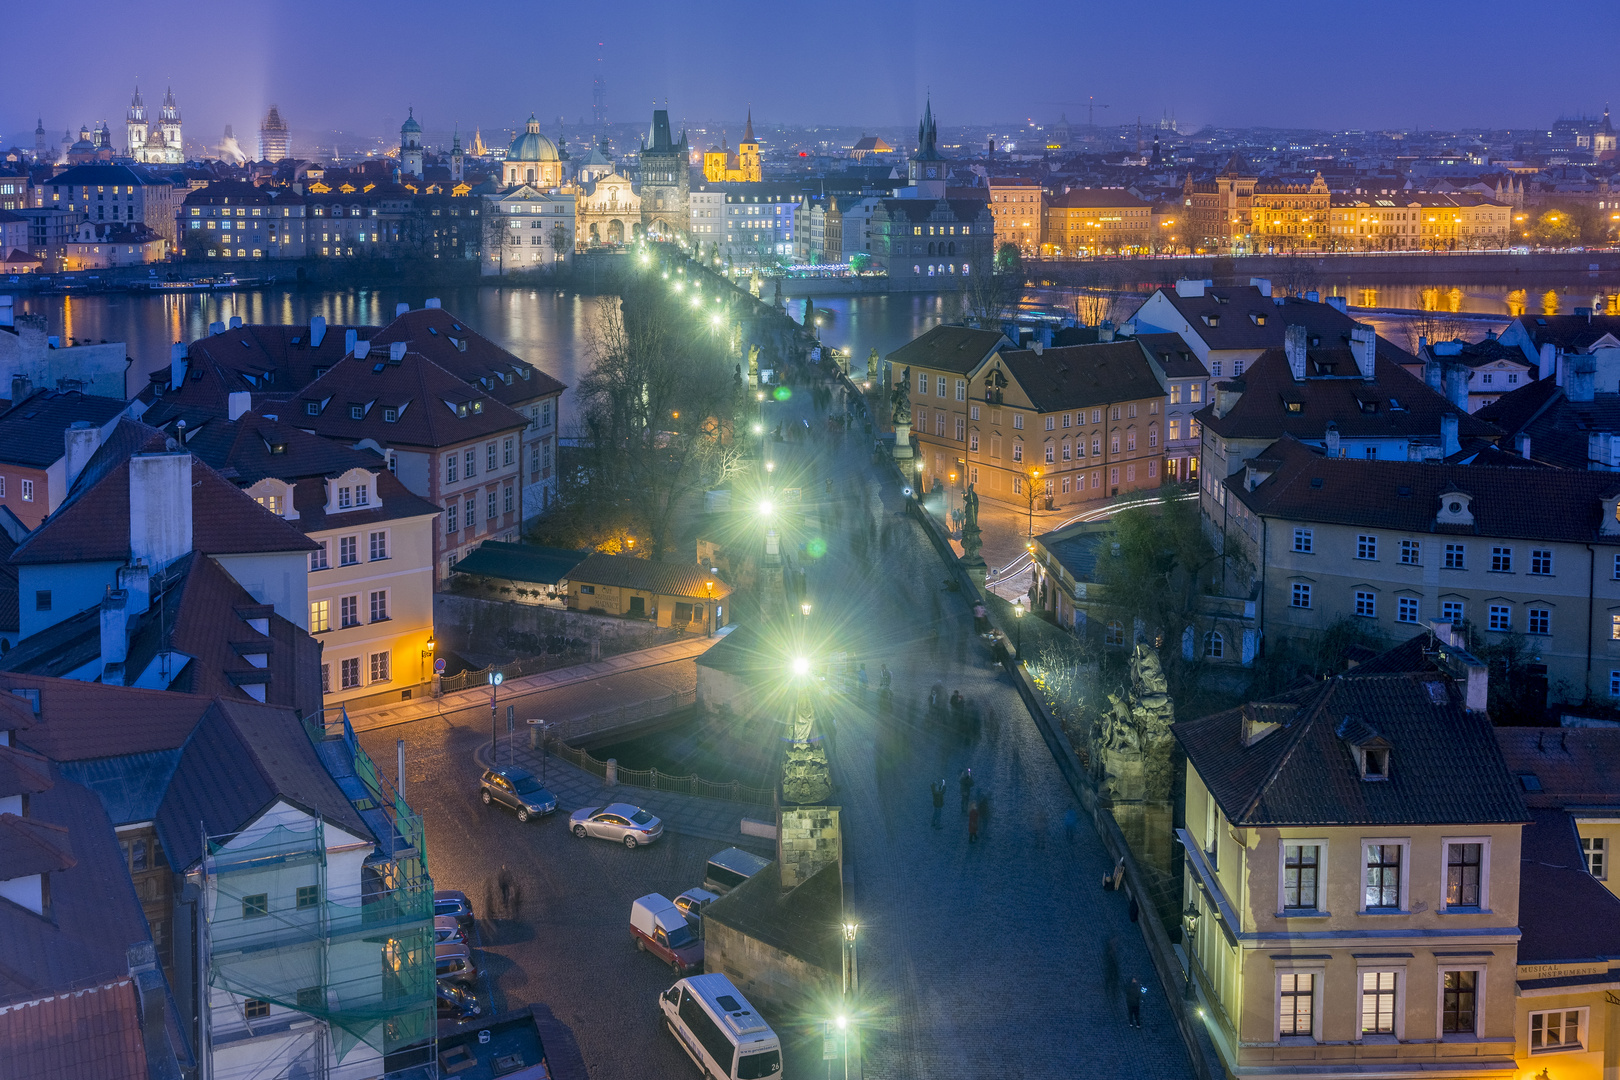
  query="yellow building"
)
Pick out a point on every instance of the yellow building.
point(1018, 205)
point(1418, 221)
point(1352, 877)
point(1236, 212)
point(1290, 217)
point(721, 166)
point(664, 594)
point(1096, 221)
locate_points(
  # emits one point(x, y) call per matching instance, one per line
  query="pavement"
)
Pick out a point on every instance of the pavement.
point(524, 687)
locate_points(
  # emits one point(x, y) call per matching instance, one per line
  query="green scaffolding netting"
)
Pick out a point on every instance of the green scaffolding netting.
point(341, 939)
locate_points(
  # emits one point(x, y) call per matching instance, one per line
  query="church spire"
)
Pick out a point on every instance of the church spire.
point(748, 130)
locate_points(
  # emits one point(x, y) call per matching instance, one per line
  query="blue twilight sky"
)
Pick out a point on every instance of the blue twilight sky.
point(356, 64)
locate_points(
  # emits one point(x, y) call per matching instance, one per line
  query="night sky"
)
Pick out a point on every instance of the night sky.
point(356, 65)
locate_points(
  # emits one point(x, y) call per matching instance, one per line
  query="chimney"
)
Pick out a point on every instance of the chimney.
point(1263, 284)
point(1193, 286)
point(236, 322)
point(21, 387)
point(1364, 344)
point(1448, 435)
point(349, 337)
point(317, 331)
point(114, 637)
point(362, 349)
point(240, 402)
point(1105, 330)
point(400, 309)
point(1294, 346)
point(1456, 380)
point(1580, 374)
point(396, 351)
point(136, 582)
point(80, 442)
point(1331, 438)
point(1314, 297)
point(1036, 346)
point(432, 303)
point(1336, 303)
point(1547, 360)
point(1524, 446)
point(177, 365)
point(216, 328)
point(159, 508)
point(7, 312)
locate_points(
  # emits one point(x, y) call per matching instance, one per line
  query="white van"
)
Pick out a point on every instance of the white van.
point(719, 1030)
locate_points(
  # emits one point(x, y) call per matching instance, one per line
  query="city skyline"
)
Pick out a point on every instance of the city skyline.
point(1284, 71)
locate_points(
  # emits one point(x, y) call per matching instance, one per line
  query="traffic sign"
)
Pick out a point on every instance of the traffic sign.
point(438, 666)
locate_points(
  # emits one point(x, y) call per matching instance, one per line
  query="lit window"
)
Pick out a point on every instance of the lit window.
point(1596, 850)
point(1559, 1029)
point(1296, 1003)
point(1300, 863)
point(1459, 1000)
point(1463, 863)
point(320, 616)
point(1383, 876)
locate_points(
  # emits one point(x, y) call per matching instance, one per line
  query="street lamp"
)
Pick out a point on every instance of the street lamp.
point(709, 585)
point(495, 679)
point(801, 665)
point(1018, 618)
point(427, 651)
point(1190, 919)
point(804, 609)
point(1034, 475)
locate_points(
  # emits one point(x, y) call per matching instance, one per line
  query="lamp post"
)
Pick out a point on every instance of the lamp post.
point(1018, 619)
point(709, 585)
point(1189, 918)
point(1034, 475)
point(427, 652)
point(495, 679)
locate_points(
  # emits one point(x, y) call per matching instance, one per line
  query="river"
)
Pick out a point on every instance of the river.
point(549, 326)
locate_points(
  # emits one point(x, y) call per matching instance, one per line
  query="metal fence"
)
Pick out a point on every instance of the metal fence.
point(662, 781)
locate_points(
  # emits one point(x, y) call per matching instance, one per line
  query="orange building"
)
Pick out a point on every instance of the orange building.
point(1018, 205)
point(1094, 221)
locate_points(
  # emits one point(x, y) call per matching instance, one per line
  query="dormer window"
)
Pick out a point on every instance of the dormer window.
point(357, 412)
point(390, 415)
point(312, 408)
point(1375, 763)
point(345, 498)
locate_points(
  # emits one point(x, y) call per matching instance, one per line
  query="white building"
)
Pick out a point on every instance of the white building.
point(535, 230)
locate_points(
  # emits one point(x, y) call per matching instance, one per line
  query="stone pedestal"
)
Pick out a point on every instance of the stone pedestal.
point(902, 442)
point(807, 839)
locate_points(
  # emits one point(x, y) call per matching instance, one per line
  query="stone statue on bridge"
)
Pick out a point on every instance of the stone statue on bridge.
point(900, 400)
point(1134, 742)
point(972, 544)
point(805, 774)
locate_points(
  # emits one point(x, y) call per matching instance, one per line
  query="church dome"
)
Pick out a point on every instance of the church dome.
point(410, 124)
point(531, 145)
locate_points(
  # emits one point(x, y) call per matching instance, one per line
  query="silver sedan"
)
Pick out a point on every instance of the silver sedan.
point(619, 822)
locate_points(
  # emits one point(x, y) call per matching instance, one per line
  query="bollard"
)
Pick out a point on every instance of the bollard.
point(612, 777)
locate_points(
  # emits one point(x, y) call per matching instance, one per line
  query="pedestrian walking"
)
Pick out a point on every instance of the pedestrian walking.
point(938, 791)
point(973, 823)
point(1070, 820)
point(965, 783)
point(1110, 971)
point(1134, 993)
point(885, 678)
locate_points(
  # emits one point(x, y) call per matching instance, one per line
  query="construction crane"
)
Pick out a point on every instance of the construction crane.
point(1091, 106)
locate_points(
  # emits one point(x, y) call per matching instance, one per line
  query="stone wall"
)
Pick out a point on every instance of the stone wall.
point(479, 626)
point(807, 839)
point(768, 977)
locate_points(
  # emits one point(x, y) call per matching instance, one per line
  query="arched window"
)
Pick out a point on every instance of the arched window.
point(930, 248)
point(953, 247)
point(930, 270)
point(1114, 634)
point(1214, 646)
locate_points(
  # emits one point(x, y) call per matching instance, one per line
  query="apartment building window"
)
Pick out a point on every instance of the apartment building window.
point(1614, 684)
point(1463, 881)
point(1459, 1000)
point(1366, 604)
point(1296, 1000)
point(28, 491)
point(1051, 453)
point(961, 389)
point(308, 896)
point(1300, 865)
point(489, 458)
point(450, 516)
point(1153, 436)
point(255, 905)
point(939, 424)
point(348, 550)
point(349, 610)
point(379, 666)
point(1541, 561)
point(317, 558)
point(973, 414)
point(470, 512)
point(1538, 621)
point(1378, 1002)
point(1452, 611)
point(506, 498)
point(1596, 850)
point(961, 429)
point(1406, 609)
point(1559, 1029)
point(1175, 429)
point(1018, 421)
point(1617, 567)
point(379, 545)
point(1096, 446)
point(450, 468)
point(922, 384)
point(1456, 557)
point(1195, 392)
point(973, 442)
point(1302, 595)
point(326, 678)
point(1501, 560)
point(1303, 541)
point(1412, 552)
point(1018, 485)
point(1068, 452)
point(320, 616)
point(1130, 439)
point(1051, 422)
point(379, 605)
point(489, 505)
point(1215, 368)
point(255, 1008)
point(1366, 547)
point(1017, 450)
point(1175, 393)
point(350, 670)
point(1383, 877)
point(508, 451)
point(1501, 618)
point(470, 461)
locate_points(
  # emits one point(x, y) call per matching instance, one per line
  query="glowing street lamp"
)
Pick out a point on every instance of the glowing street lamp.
point(801, 665)
point(1018, 618)
point(495, 680)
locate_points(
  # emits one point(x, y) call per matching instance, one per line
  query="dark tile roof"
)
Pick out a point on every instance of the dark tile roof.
point(72, 723)
point(31, 431)
point(1478, 353)
point(469, 355)
point(1571, 766)
point(948, 348)
point(130, 786)
point(801, 922)
point(1513, 410)
point(1570, 333)
point(1565, 914)
point(239, 761)
point(269, 361)
point(23, 773)
point(93, 524)
point(1445, 768)
point(79, 175)
point(645, 575)
point(1083, 375)
point(1358, 407)
point(395, 502)
point(1174, 355)
point(1085, 198)
point(521, 562)
point(31, 847)
point(1524, 503)
point(1246, 320)
point(254, 446)
point(434, 407)
point(1075, 549)
point(1558, 427)
point(92, 1033)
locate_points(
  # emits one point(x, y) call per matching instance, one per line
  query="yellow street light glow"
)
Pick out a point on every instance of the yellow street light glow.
point(766, 507)
point(697, 300)
point(801, 666)
point(843, 1021)
point(715, 318)
point(770, 466)
point(759, 429)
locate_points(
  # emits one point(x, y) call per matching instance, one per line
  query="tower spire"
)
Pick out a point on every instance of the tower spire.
point(748, 130)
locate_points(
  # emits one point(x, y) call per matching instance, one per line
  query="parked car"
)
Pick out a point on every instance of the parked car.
point(691, 904)
point(719, 1029)
point(518, 789)
point(659, 928)
point(445, 928)
point(453, 962)
point(454, 903)
point(620, 822)
point(457, 1002)
point(730, 868)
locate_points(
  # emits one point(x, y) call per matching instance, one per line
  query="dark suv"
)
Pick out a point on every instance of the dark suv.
point(518, 789)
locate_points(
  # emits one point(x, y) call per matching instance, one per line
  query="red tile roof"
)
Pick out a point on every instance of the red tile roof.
point(469, 355)
point(645, 575)
point(434, 408)
point(90, 1033)
point(23, 773)
point(74, 724)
